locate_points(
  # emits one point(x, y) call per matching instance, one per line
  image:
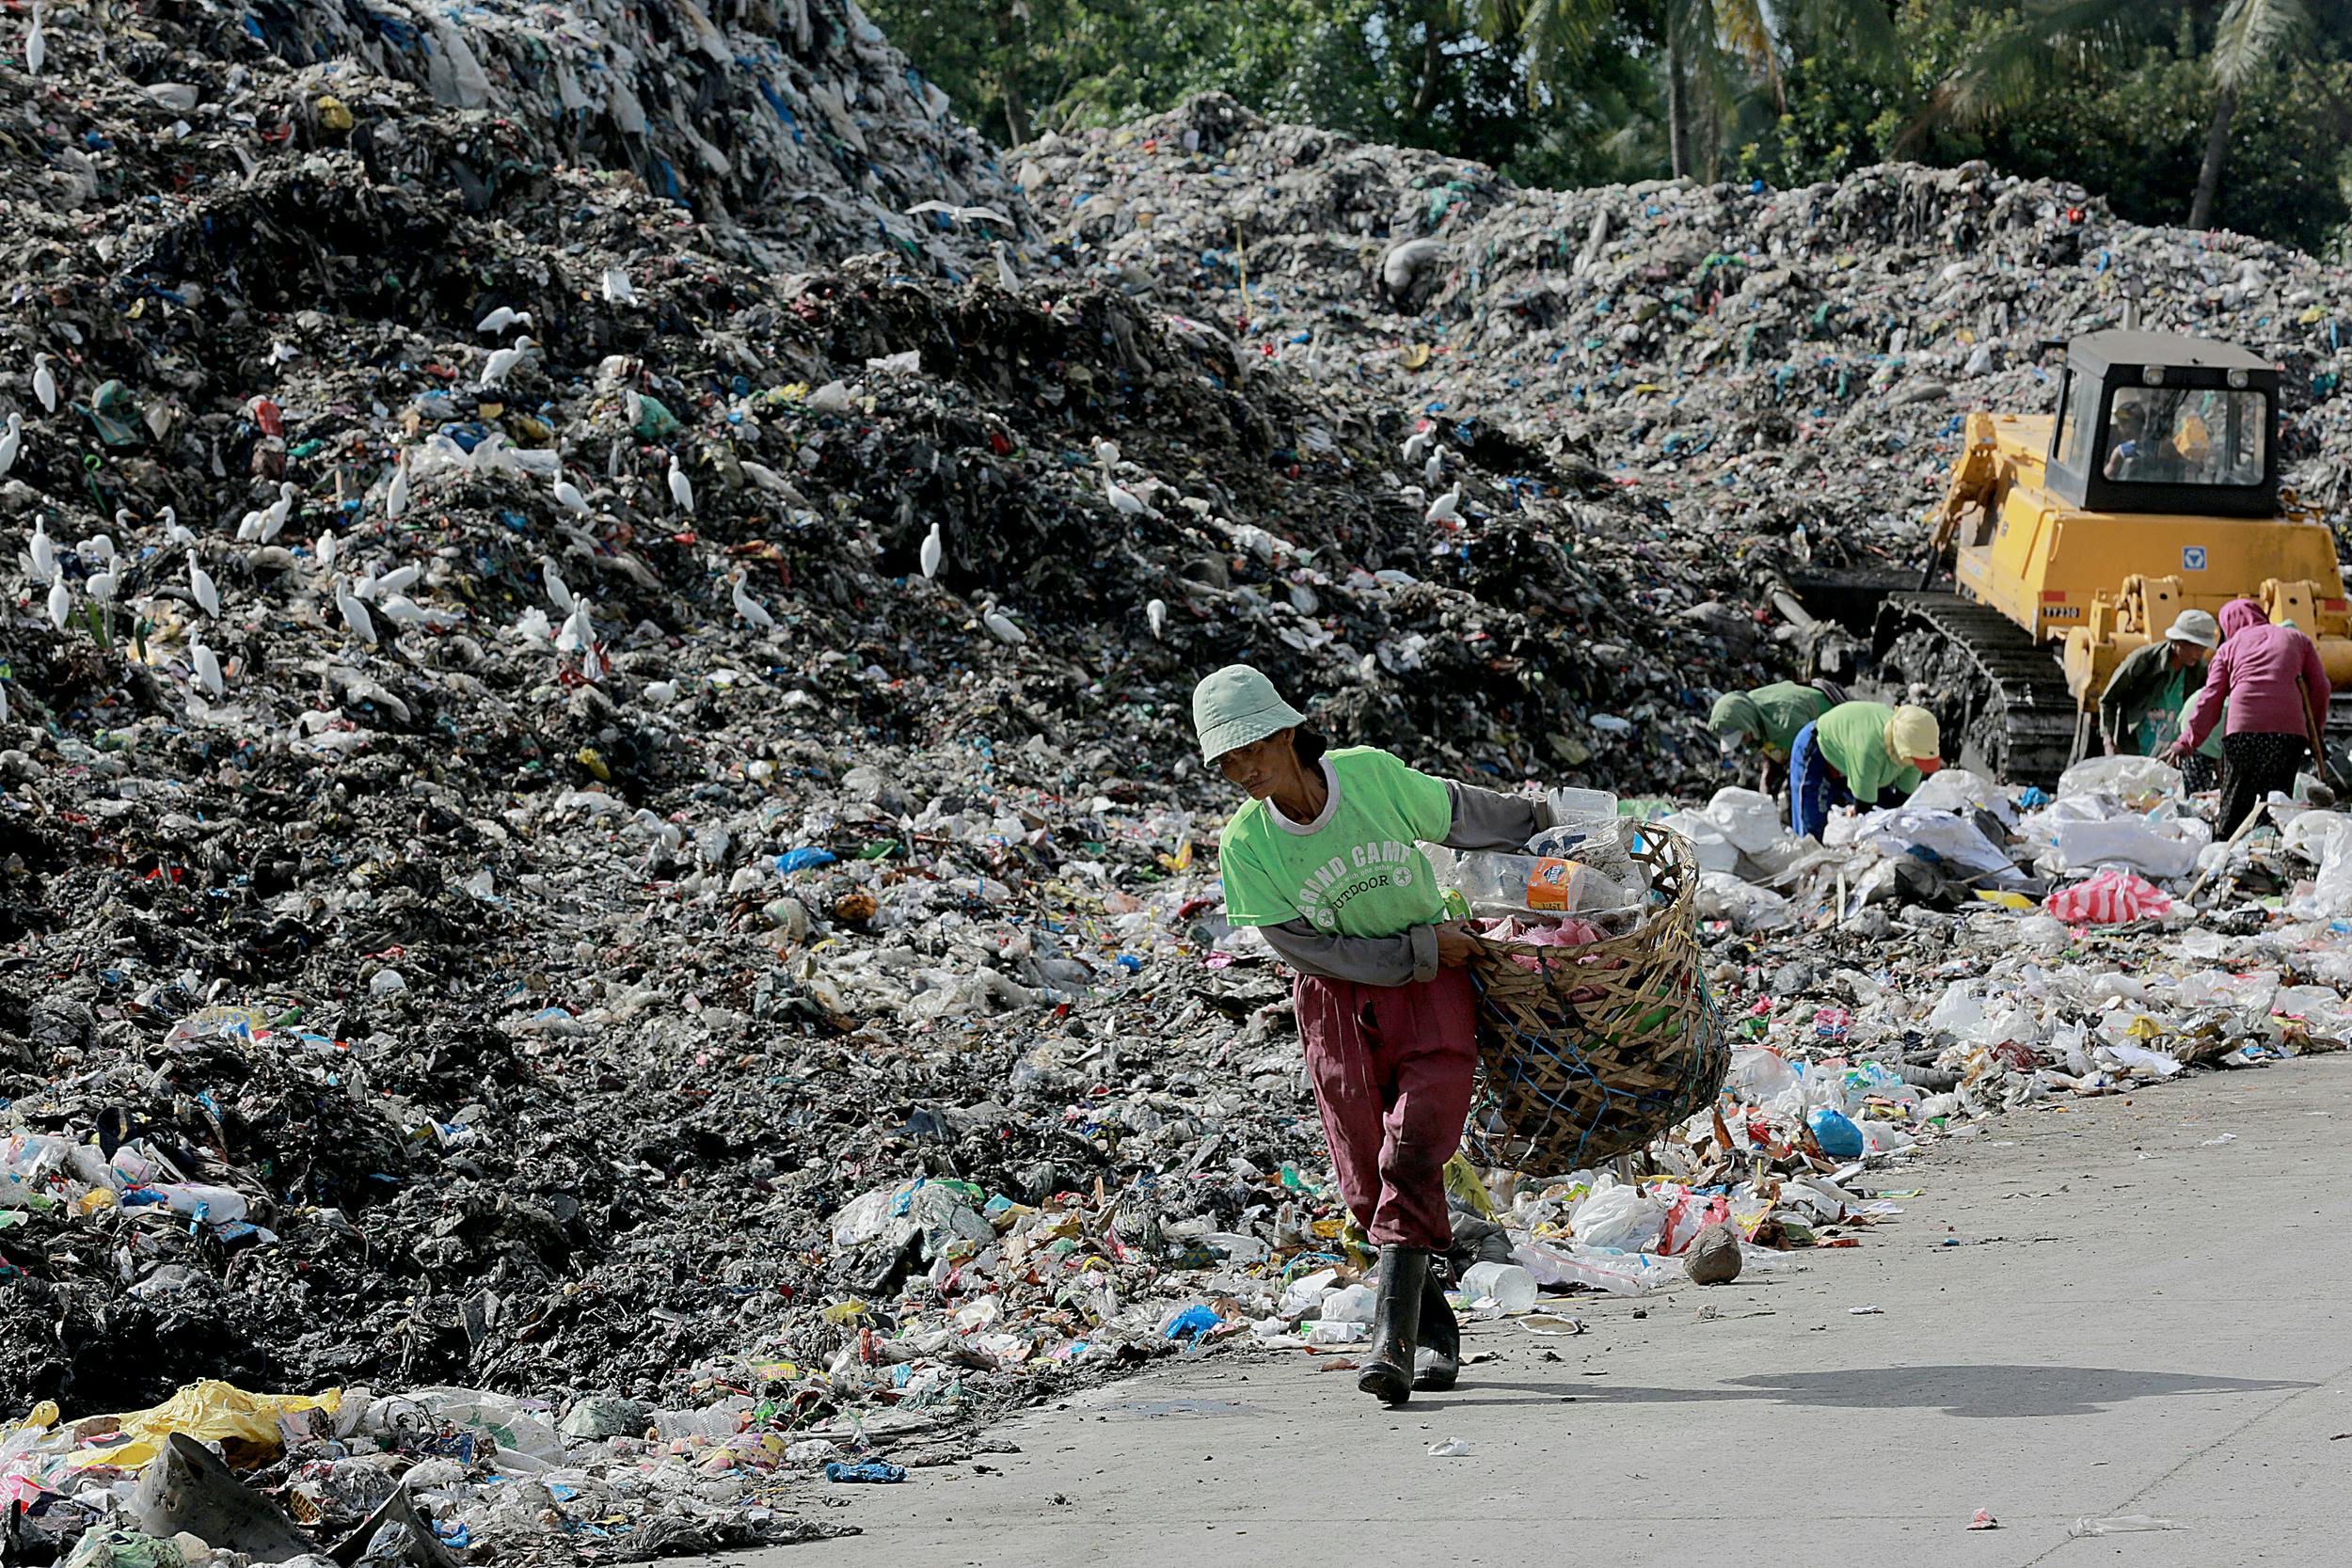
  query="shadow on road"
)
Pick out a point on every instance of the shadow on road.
point(1984, 1391)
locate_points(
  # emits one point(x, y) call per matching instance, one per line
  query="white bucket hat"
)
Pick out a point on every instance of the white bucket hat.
point(1236, 706)
point(2195, 626)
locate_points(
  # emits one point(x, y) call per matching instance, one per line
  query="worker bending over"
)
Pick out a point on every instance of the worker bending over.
point(2277, 692)
point(1859, 753)
point(1769, 719)
point(2140, 712)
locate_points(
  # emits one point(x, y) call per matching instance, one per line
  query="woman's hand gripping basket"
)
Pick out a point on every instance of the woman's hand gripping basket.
point(1587, 1053)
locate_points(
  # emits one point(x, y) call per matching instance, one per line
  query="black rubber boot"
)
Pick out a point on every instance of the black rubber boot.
point(1388, 1372)
point(1438, 1363)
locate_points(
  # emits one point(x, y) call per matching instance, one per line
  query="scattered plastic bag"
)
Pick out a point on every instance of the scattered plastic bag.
point(2108, 898)
point(1604, 1268)
point(246, 1426)
point(1750, 909)
point(1691, 1214)
point(2139, 782)
point(1620, 1217)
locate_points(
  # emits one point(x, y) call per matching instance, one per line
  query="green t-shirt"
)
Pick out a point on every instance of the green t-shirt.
point(1786, 708)
point(1852, 737)
point(1356, 871)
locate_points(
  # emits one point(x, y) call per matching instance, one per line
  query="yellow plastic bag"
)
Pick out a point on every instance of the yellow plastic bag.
point(210, 1411)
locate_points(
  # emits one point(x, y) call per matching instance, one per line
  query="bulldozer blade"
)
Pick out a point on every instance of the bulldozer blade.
point(424, 1548)
point(188, 1488)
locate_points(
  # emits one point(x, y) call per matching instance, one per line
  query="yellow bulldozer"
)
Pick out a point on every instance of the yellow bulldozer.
point(2074, 537)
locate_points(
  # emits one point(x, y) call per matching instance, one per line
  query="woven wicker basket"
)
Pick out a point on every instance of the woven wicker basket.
point(1598, 1049)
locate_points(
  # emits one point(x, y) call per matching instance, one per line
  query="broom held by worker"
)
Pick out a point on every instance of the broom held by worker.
point(1325, 859)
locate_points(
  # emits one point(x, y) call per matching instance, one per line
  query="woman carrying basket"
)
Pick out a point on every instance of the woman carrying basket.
point(1325, 859)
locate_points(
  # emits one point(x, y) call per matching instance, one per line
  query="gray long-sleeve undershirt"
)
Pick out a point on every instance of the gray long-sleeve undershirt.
point(1482, 819)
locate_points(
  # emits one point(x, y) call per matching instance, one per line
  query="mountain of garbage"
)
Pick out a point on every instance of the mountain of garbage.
point(601, 871)
point(1791, 365)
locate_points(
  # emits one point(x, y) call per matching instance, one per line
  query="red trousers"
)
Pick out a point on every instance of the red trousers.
point(1392, 1067)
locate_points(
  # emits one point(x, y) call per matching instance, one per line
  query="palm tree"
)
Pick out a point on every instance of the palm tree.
point(1712, 50)
point(2052, 40)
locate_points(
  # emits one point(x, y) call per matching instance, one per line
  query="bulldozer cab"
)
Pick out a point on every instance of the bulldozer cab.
point(2161, 423)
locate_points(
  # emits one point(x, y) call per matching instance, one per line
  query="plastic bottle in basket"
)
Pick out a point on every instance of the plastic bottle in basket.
point(1538, 884)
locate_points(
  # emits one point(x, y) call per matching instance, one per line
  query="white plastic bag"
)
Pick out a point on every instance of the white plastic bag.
point(1751, 822)
point(2161, 851)
point(1714, 851)
point(2135, 781)
point(1750, 909)
point(1619, 1273)
point(1618, 1216)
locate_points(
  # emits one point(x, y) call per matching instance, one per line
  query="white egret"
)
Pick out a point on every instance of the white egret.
point(207, 668)
point(751, 608)
point(200, 584)
point(502, 361)
point(11, 442)
point(681, 488)
point(1446, 508)
point(567, 495)
point(934, 549)
point(559, 591)
point(1000, 626)
point(396, 497)
point(1156, 614)
point(501, 319)
point(44, 384)
point(356, 616)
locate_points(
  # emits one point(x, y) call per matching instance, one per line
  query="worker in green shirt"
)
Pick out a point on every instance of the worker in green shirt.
point(2140, 712)
point(1769, 719)
point(1859, 753)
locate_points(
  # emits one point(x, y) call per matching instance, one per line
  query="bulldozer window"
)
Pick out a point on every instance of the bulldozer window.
point(2079, 415)
point(2186, 436)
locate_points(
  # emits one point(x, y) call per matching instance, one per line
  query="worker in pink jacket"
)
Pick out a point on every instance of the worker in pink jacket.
point(2277, 692)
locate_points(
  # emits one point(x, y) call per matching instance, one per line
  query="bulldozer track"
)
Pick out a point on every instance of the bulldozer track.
point(1999, 697)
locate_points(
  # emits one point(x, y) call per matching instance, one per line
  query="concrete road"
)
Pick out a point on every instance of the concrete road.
point(2118, 1307)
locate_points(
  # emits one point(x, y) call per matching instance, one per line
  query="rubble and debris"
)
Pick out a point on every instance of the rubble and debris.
point(630, 927)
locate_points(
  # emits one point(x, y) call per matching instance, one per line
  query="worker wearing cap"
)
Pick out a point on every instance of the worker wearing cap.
point(1769, 719)
point(1325, 860)
point(2140, 712)
point(1865, 753)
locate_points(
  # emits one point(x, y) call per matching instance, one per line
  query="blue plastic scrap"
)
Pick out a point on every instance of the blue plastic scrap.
point(802, 858)
point(1194, 1323)
point(874, 1472)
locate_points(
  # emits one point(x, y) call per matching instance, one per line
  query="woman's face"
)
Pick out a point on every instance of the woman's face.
point(1262, 766)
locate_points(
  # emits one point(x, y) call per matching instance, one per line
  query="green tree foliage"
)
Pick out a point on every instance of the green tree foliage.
point(2234, 111)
